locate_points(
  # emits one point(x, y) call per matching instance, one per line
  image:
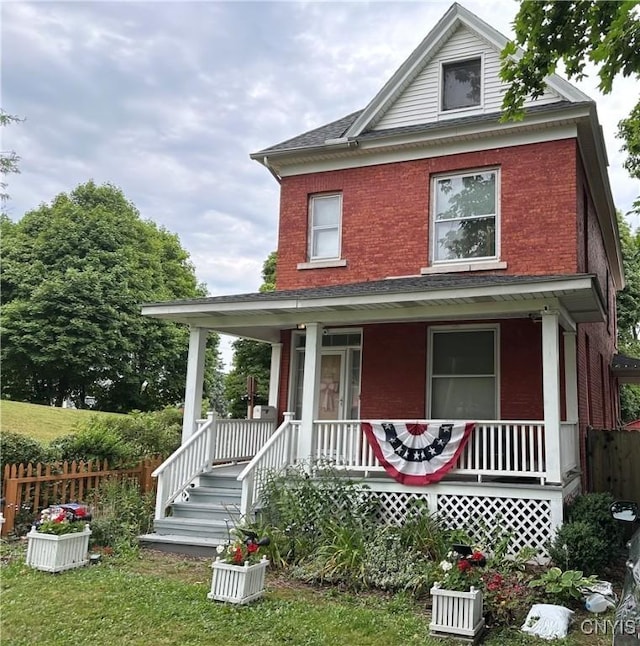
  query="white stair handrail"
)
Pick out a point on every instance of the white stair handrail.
point(276, 454)
point(182, 466)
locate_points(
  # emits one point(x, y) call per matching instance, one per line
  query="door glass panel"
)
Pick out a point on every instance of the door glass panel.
point(353, 396)
point(330, 387)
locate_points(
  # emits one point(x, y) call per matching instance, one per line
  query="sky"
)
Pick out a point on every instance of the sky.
point(166, 100)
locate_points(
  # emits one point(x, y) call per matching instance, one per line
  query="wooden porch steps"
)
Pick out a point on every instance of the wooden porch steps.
point(201, 518)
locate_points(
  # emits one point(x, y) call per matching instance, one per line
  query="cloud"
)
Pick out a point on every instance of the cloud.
point(167, 100)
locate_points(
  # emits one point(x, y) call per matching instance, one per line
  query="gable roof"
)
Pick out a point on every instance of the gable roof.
point(455, 17)
point(360, 125)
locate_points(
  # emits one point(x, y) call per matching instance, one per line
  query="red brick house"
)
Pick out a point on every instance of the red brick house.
point(434, 264)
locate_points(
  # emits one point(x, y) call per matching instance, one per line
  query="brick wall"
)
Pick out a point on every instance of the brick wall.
point(597, 393)
point(386, 214)
point(394, 370)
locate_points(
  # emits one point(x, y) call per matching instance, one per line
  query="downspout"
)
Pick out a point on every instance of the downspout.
point(267, 165)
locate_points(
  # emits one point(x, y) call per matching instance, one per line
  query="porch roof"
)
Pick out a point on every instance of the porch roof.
point(443, 297)
point(626, 369)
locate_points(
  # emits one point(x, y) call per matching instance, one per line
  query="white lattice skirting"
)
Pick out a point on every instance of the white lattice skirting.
point(531, 520)
point(237, 583)
point(53, 553)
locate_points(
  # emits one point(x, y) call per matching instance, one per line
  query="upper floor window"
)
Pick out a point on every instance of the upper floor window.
point(461, 84)
point(465, 216)
point(325, 216)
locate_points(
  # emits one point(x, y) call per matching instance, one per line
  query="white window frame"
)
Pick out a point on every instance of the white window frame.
point(467, 263)
point(312, 229)
point(438, 329)
point(448, 61)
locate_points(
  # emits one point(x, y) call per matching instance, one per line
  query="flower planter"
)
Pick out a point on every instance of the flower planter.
point(237, 583)
point(456, 613)
point(53, 553)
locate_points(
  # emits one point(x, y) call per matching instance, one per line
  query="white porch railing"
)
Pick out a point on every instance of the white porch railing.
point(569, 454)
point(215, 440)
point(278, 453)
point(495, 448)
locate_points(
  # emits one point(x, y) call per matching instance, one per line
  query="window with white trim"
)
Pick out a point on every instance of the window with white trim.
point(465, 216)
point(461, 84)
point(463, 374)
point(325, 216)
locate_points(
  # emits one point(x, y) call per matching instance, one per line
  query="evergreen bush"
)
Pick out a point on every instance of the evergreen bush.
point(577, 546)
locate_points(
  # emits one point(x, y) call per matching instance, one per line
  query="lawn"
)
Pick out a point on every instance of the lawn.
point(42, 423)
point(161, 599)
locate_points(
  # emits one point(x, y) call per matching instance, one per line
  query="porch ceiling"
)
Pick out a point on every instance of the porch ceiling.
point(429, 298)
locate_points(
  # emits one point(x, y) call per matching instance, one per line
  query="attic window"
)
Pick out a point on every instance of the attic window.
point(461, 84)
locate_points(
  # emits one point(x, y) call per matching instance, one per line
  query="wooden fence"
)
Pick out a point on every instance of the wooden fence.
point(32, 487)
point(613, 462)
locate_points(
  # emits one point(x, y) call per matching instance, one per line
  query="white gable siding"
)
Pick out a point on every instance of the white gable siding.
point(419, 102)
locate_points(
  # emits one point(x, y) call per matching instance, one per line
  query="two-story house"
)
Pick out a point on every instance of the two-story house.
point(444, 321)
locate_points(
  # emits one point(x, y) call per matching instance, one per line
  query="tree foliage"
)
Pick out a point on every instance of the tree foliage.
point(576, 32)
point(628, 304)
point(251, 358)
point(8, 158)
point(74, 274)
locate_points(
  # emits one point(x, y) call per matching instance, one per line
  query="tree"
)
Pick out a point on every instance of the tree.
point(604, 33)
point(74, 274)
point(251, 358)
point(8, 159)
point(628, 305)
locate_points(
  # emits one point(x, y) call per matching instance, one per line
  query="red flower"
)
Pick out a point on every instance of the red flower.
point(495, 582)
point(463, 565)
point(252, 547)
point(237, 555)
point(477, 556)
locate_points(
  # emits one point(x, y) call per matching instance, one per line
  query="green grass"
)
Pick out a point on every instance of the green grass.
point(161, 599)
point(42, 423)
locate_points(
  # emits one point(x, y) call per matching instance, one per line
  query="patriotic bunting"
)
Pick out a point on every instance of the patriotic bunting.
point(418, 453)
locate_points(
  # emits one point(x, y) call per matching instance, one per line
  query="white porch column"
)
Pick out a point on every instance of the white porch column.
point(312, 348)
point(274, 376)
point(195, 376)
point(570, 375)
point(551, 393)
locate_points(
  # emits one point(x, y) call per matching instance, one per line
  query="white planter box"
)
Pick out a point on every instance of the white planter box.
point(457, 613)
point(53, 553)
point(237, 583)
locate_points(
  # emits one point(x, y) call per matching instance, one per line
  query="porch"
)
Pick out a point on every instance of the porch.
point(500, 476)
point(498, 351)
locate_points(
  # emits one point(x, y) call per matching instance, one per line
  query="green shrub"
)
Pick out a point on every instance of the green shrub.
point(122, 440)
point(594, 509)
point(425, 532)
point(92, 444)
point(306, 510)
point(20, 449)
point(591, 539)
point(577, 546)
point(392, 564)
point(507, 597)
point(121, 514)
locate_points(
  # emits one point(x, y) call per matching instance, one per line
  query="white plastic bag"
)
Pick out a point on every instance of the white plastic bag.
point(547, 621)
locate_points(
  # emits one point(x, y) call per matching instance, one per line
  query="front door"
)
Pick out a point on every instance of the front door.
point(331, 396)
point(339, 385)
